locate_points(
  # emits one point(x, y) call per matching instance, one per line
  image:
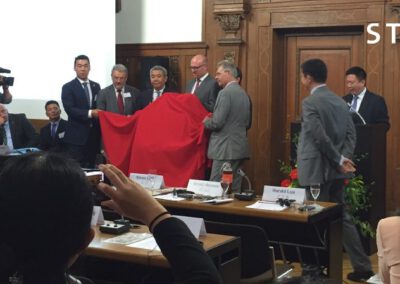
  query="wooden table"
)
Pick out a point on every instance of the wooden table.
point(321, 230)
point(225, 251)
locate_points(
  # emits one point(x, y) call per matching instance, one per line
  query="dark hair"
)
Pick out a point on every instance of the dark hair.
point(81, 57)
point(45, 214)
point(239, 75)
point(51, 102)
point(315, 68)
point(358, 72)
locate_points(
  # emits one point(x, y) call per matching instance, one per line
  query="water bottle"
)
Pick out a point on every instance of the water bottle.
point(227, 178)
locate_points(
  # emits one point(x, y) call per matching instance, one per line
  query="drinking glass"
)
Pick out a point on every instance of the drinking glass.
point(315, 190)
point(225, 188)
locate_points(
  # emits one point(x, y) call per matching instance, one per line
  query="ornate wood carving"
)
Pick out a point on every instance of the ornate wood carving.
point(396, 12)
point(229, 15)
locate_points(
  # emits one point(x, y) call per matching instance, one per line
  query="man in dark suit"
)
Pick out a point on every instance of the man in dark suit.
point(370, 106)
point(16, 131)
point(202, 85)
point(158, 79)
point(228, 123)
point(82, 135)
point(5, 96)
point(52, 134)
point(118, 97)
point(327, 141)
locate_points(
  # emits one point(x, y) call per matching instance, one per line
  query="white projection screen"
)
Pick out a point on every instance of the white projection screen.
point(40, 40)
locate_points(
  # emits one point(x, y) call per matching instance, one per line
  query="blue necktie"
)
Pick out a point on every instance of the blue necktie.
point(86, 88)
point(354, 103)
point(53, 130)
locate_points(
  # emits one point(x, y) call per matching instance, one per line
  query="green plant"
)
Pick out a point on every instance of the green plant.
point(357, 196)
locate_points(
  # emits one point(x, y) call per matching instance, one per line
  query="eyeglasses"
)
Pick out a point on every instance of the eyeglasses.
point(285, 202)
point(196, 67)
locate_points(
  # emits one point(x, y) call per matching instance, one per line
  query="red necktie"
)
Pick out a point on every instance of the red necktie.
point(120, 102)
point(197, 85)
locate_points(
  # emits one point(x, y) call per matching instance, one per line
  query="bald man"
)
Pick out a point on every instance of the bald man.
point(202, 85)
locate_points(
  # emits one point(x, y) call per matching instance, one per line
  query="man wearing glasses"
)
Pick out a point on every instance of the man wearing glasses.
point(202, 85)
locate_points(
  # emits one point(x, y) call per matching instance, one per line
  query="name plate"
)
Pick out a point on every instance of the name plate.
point(97, 216)
point(205, 187)
point(273, 193)
point(195, 225)
point(148, 181)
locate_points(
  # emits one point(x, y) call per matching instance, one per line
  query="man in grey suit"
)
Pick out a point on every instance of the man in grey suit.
point(202, 85)
point(228, 123)
point(118, 97)
point(327, 141)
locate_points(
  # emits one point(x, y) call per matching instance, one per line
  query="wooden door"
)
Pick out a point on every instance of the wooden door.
point(339, 52)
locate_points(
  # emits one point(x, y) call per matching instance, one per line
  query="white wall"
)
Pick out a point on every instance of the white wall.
point(44, 36)
point(40, 40)
point(159, 21)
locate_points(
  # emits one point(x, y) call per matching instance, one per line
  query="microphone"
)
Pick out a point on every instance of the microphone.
point(247, 194)
point(356, 112)
point(243, 174)
point(2, 70)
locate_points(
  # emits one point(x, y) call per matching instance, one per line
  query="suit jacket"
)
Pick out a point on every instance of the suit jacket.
point(207, 92)
point(107, 99)
point(146, 97)
point(373, 108)
point(49, 143)
point(77, 107)
point(327, 132)
point(228, 124)
point(22, 132)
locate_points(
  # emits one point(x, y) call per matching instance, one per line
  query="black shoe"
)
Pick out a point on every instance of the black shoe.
point(357, 276)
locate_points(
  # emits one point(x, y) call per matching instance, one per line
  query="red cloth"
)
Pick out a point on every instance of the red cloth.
point(167, 138)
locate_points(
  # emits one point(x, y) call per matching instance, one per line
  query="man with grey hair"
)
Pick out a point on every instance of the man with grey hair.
point(118, 97)
point(202, 85)
point(228, 123)
point(158, 79)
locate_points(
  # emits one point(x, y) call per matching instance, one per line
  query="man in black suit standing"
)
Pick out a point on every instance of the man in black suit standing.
point(82, 134)
point(158, 79)
point(203, 85)
point(370, 106)
point(52, 134)
point(16, 131)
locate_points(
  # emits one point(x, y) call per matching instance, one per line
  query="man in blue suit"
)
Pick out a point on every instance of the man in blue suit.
point(82, 134)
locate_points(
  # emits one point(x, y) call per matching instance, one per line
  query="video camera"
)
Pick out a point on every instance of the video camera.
point(7, 81)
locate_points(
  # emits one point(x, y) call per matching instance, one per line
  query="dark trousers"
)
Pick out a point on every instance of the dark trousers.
point(86, 154)
point(333, 191)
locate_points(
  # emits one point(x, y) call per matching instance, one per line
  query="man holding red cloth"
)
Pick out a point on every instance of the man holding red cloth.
point(228, 123)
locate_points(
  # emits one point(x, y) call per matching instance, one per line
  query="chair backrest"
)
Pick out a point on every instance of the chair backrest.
point(255, 252)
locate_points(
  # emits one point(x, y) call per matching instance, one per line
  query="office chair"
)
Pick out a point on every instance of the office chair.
point(257, 257)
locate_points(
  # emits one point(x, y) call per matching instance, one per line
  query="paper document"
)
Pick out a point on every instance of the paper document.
point(267, 206)
point(128, 238)
point(169, 196)
point(149, 243)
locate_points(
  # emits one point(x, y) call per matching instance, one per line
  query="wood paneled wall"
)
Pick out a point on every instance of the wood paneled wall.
point(254, 35)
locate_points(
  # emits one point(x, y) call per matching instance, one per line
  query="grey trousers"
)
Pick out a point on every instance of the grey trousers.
point(333, 191)
point(216, 173)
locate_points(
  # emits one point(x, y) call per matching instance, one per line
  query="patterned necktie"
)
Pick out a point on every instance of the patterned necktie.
point(197, 85)
point(86, 88)
point(354, 103)
point(53, 130)
point(120, 102)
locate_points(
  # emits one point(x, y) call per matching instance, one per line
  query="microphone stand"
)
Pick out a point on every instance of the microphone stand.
point(356, 112)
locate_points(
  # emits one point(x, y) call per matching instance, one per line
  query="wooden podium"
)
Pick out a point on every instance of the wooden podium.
point(371, 145)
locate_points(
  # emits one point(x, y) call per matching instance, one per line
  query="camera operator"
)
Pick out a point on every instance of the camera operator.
point(5, 96)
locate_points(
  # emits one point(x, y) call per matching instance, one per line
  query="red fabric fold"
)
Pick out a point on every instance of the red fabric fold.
point(167, 138)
